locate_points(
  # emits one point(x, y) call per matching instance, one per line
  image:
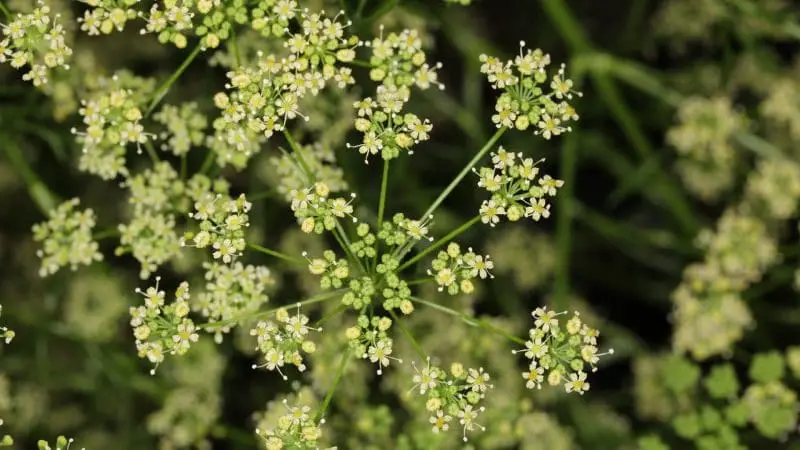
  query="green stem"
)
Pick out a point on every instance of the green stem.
point(564, 217)
point(409, 336)
point(110, 232)
point(234, 48)
point(469, 320)
point(331, 315)
point(164, 88)
point(344, 242)
point(382, 201)
point(277, 254)
point(6, 12)
point(299, 155)
point(269, 193)
point(329, 395)
point(569, 28)
point(207, 162)
point(419, 281)
point(359, 63)
point(449, 237)
point(151, 152)
point(262, 314)
point(41, 195)
point(183, 167)
point(488, 146)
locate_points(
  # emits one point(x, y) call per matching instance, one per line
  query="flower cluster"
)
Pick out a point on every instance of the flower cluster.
point(396, 293)
point(702, 138)
point(281, 343)
point(320, 162)
point(185, 127)
point(774, 189)
point(150, 236)
point(265, 96)
point(385, 130)
point(516, 192)
point(523, 102)
point(562, 352)
point(62, 443)
point(66, 238)
point(452, 394)
point(780, 106)
point(176, 20)
point(398, 60)
point(112, 119)
point(223, 221)
point(454, 271)
point(332, 272)
point(6, 335)
point(296, 429)
point(369, 340)
point(5, 439)
point(316, 211)
point(710, 314)
point(36, 39)
point(400, 234)
point(162, 329)
point(231, 291)
point(271, 17)
point(105, 16)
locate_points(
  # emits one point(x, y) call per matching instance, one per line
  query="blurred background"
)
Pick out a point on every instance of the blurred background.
point(675, 235)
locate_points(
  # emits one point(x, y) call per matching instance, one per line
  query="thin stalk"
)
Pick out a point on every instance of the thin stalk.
point(409, 336)
point(359, 63)
point(183, 167)
point(569, 28)
point(299, 155)
point(262, 314)
point(419, 281)
point(329, 395)
point(344, 242)
point(564, 215)
point(207, 162)
point(330, 315)
point(6, 12)
point(277, 254)
point(469, 320)
point(269, 193)
point(237, 61)
point(382, 201)
point(151, 152)
point(107, 233)
point(164, 88)
point(449, 237)
point(41, 195)
point(488, 146)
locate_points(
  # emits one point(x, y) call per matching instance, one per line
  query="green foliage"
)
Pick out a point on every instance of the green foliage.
point(722, 382)
point(680, 375)
point(767, 367)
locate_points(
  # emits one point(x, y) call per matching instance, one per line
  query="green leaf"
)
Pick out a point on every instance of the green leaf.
point(722, 382)
point(651, 442)
point(737, 414)
point(679, 374)
point(687, 425)
point(775, 421)
point(766, 367)
point(710, 418)
point(793, 360)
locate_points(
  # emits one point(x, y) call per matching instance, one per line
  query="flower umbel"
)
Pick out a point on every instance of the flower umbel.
point(562, 351)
